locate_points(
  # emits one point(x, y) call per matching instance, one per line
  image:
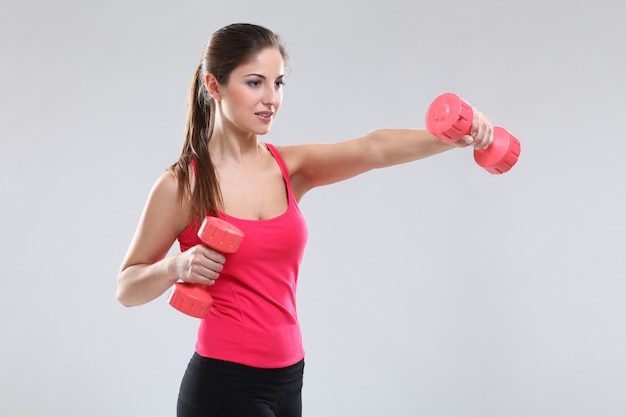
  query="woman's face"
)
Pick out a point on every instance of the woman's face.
point(253, 94)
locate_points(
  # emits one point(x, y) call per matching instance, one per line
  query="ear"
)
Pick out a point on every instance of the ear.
point(213, 87)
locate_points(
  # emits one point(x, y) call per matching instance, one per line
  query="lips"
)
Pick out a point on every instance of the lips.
point(264, 115)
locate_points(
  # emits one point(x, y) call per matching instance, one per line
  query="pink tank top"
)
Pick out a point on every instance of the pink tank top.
point(253, 320)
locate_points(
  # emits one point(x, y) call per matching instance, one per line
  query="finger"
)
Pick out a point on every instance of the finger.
point(466, 140)
point(214, 255)
point(202, 269)
point(208, 279)
point(476, 122)
point(210, 273)
point(487, 139)
point(484, 132)
point(481, 137)
point(214, 265)
point(490, 137)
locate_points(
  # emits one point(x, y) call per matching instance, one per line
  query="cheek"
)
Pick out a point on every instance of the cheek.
point(245, 96)
point(236, 102)
point(237, 98)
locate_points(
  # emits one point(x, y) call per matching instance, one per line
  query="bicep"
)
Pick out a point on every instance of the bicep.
point(162, 220)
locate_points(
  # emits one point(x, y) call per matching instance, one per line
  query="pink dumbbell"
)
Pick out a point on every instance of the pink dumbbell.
point(449, 117)
point(194, 299)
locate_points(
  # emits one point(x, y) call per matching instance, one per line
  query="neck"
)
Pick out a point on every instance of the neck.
point(229, 147)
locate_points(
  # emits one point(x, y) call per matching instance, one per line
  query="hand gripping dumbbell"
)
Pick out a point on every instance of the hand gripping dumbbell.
point(449, 117)
point(194, 299)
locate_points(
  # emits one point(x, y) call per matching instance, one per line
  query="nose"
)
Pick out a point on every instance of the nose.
point(271, 96)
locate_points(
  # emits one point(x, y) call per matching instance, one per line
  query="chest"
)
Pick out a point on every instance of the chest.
point(255, 193)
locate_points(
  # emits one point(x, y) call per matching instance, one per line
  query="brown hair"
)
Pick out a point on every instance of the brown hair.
point(229, 47)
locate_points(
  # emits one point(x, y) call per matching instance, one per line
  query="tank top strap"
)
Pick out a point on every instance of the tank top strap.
point(283, 167)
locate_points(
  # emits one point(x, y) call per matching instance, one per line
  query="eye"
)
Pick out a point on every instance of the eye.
point(254, 83)
point(279, 83)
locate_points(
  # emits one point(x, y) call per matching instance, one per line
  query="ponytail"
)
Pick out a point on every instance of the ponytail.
point(205, 197)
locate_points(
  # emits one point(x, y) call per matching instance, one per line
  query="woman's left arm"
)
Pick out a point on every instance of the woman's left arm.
point(315, 165)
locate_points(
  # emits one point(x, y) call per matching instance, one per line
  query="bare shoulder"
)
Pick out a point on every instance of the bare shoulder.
point(297, 156)
point(166, 185)
point(165, 198)
point(290, 154)
point(165, 212)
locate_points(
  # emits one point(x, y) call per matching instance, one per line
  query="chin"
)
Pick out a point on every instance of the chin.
point(265, 131)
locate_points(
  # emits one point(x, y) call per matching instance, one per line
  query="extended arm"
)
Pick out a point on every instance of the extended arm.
point(315, 165)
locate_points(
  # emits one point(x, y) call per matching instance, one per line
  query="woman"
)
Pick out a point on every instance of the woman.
point(248, 359)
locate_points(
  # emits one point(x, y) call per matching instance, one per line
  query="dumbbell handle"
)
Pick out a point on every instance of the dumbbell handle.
point(449, 117)
point(193, 299)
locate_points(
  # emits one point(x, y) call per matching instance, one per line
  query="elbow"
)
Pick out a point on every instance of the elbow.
point(123, 301)
point(122, 298)
point(122, 294)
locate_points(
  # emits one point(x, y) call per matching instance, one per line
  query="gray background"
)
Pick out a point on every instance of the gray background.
point(428, 289)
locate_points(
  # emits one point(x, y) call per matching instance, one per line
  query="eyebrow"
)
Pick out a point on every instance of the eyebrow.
point(262, 76)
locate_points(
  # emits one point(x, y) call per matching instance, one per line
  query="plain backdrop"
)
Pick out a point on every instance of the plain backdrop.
point(428, 289)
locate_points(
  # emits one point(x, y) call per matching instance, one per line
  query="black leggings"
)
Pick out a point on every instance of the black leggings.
point(214, 388)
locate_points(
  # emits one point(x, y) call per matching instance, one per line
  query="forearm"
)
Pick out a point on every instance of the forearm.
point(397, 146)
point(142, 283)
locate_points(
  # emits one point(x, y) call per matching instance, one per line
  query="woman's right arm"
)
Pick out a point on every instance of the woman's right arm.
point(147, 272)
